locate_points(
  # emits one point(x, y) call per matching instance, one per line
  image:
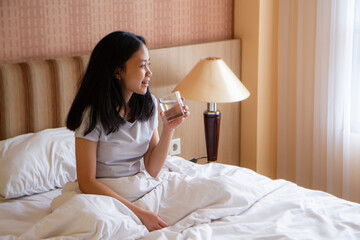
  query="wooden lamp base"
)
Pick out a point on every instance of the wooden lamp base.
point(212, 131)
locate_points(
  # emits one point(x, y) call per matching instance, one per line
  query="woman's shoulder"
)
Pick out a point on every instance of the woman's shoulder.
point(154, 117)
point(84, 125)
point(153, 98)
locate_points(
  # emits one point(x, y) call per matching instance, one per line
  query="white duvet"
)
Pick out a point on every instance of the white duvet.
point(210, 201)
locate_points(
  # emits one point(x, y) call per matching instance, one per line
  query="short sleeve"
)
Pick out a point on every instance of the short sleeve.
point(155, 116)
point(94, 135)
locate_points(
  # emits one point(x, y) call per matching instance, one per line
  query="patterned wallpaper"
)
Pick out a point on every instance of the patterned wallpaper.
point(36, 29)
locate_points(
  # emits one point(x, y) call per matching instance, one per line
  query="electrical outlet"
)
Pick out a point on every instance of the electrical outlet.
point(175, 147)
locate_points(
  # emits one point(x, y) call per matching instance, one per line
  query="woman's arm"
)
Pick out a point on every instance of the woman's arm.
point(85, 151)
point(156, 155)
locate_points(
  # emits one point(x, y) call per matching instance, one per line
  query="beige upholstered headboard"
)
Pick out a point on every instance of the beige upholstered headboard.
point(36, 95)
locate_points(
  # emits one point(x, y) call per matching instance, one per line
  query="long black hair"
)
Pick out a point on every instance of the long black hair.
point(101, 91)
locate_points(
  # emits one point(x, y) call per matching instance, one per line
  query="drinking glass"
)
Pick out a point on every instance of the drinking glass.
point(172, 106)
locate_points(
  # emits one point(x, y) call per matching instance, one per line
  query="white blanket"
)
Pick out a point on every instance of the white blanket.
point(212, 201)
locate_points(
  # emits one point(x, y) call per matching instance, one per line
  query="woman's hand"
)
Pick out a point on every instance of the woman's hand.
point(156, 154)
point(152, 221)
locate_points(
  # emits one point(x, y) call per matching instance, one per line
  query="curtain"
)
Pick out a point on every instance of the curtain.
point(318, 95)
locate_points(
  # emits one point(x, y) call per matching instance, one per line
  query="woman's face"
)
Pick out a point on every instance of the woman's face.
point(135, 77)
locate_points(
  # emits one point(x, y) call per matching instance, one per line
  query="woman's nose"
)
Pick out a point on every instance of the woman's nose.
point(148, 72)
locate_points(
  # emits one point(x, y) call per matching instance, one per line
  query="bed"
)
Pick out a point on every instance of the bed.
point(40, 197)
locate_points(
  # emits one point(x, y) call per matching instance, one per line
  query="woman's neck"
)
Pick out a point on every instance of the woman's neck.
point(127, 95)
point(126, 113)
point(125, 110)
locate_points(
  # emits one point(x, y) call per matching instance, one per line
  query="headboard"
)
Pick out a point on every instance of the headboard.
point(36, 95)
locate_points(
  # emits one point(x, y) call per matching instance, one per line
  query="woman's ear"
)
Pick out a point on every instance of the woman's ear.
point(117, 73)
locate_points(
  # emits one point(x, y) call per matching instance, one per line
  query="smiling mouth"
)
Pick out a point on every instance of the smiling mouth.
point(146, 82)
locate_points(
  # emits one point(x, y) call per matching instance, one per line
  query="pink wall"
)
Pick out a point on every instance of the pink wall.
point(40, 29)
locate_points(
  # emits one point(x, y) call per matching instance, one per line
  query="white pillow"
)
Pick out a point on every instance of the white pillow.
point(37, 162)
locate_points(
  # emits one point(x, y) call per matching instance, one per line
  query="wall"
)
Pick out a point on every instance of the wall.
point(40, 29)
point(255, 23)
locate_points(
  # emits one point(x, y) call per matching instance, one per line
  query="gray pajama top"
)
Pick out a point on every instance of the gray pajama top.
point(119, 153)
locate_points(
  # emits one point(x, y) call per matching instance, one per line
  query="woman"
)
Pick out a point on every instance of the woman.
point(114, 117)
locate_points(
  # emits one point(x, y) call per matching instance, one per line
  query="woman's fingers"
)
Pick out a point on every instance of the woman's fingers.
point(162, 223)
point(154, 222)
point(187, 112)
point(162, 114)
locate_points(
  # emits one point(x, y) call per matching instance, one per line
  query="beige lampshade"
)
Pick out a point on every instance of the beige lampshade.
point(211, 80)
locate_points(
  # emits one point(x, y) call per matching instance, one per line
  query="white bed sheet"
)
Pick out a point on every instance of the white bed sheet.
point(20, 214)
point(210, 201)
point(289, 212)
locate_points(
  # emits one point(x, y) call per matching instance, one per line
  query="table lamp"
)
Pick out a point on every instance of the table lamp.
point(212, 81)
